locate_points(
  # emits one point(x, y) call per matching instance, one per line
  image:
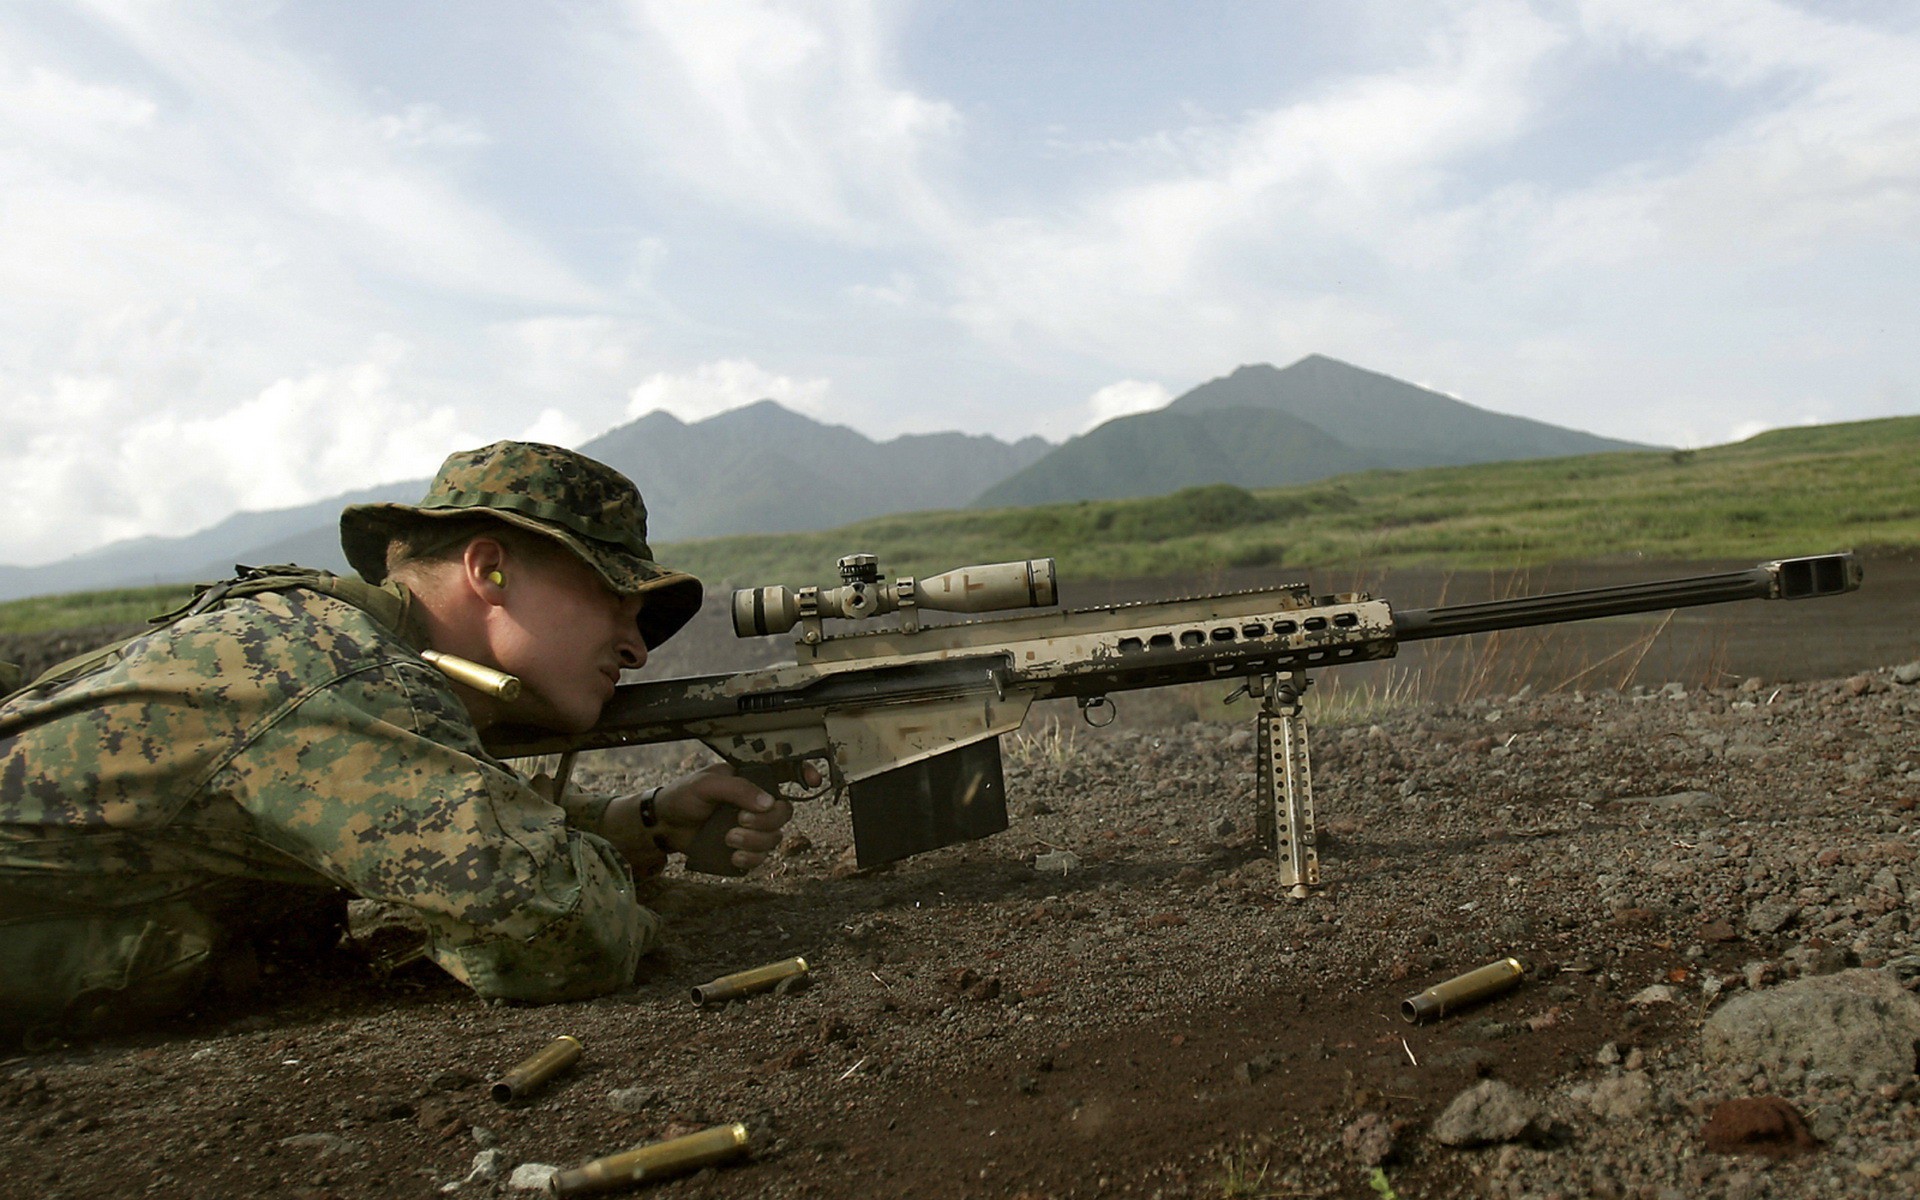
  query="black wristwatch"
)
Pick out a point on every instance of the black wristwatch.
point(650, 819)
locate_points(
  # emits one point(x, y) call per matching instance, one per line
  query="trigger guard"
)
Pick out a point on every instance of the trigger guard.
point(776, 778)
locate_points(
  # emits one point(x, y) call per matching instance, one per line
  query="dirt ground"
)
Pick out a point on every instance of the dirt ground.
point(1152, 1018)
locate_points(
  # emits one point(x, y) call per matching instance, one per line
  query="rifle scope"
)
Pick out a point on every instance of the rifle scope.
point(992, 587)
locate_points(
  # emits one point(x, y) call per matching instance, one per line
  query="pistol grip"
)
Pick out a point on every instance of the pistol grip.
point(709, 853)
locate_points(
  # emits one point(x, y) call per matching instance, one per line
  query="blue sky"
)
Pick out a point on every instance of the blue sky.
point(253, 254)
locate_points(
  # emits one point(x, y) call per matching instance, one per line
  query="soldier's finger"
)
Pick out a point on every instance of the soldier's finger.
point(770, 820)
point(731, 789)
point(752, 840)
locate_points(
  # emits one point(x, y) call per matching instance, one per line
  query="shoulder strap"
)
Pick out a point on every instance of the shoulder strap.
point(391, 607)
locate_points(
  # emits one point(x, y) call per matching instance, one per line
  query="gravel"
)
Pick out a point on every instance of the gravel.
point(1160, 1016)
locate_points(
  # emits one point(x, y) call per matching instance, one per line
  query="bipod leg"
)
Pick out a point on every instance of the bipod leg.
point(1284, 820)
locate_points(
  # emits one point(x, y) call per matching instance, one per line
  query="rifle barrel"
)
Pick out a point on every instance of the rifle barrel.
point(1785, 579)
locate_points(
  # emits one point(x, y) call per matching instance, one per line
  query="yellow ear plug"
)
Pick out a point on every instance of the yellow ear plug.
point(496, 578)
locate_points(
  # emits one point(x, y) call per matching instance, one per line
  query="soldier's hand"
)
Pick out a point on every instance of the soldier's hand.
point(685, 805)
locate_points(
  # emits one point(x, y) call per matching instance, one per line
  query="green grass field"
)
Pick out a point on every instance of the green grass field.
point(1789, 491)
point(85, 610)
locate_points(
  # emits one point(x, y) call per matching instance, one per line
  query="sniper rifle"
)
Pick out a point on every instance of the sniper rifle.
point(905, 722)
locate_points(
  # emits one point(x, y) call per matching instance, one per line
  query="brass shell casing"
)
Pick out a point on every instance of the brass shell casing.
point(660, 1160)
point(1462, 990)
point(527, 1078)
point(745, 983)
point(498, 684)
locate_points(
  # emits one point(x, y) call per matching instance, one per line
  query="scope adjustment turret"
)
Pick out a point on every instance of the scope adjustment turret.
point(860, 568)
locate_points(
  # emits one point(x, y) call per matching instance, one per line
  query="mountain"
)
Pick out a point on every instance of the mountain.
point(759, 469)
point(273, 536)
point(1152, 453)
point(1264, 426)
point(767, 469)
point(1397, 422)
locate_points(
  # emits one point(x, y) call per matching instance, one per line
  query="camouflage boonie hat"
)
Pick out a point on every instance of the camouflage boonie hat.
point(588, 507)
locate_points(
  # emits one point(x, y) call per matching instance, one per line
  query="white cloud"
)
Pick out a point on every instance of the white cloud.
point(1123, 399)
point(425, 124)
point(583, 364)
point(1830, 152)
point(219, 224)
point(787, 111)
point(555, 428)
point(298, 439)
point(43, 102)
point(190, 242)
point(1204, 263)
point(718, 387)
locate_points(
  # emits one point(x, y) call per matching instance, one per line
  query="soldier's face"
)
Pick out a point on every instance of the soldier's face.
point(567, 635)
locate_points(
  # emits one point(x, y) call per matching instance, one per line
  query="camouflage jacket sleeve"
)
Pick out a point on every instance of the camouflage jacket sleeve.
point(379, 782)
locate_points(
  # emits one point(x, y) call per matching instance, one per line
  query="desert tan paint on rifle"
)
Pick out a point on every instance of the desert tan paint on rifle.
point(1038, 647)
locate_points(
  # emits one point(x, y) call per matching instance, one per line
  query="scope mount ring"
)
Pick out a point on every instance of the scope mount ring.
point(1093, 704)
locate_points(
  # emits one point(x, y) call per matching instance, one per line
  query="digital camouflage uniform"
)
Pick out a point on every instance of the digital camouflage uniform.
point(251, 763)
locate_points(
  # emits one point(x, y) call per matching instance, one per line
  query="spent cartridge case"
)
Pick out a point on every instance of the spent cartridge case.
point(531, 1075)
point(660, 1160)
point(1462, 990)
point(498, 684)
point(745, 983)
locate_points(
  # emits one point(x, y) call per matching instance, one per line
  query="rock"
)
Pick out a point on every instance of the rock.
point(1060, 861)
point(325, 1144)
point(532, 1177)
point(1765, 1125)
point(1372, 1138)
point(633, 1100)
point(1659, 993)
point(1772, 915)
point(1489, 1111)
point(1859, 685)
point(1674, 801)
point(488, 1165)
point(1608, 1055)
point(1718, 931)
point(1908, 673)
point(1820, 958)
point(1624, 1097)
point(1253, 1068)
point(1221, 827)
point(1858, 1025)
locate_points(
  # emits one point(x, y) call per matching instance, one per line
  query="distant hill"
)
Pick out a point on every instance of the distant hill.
point(767, 469)
point(1264, 426)
point(1153, 453)
point(759, 469)
point(309, 533)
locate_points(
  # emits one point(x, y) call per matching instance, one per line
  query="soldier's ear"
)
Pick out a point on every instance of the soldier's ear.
point(484, 568)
